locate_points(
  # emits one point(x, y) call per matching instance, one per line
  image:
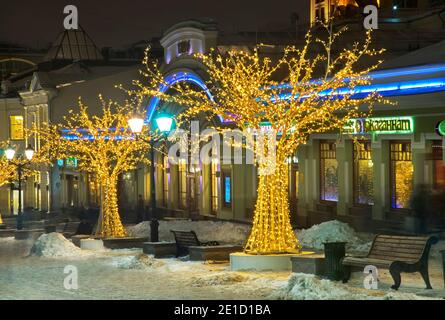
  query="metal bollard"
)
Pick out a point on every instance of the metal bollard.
point(154, 230)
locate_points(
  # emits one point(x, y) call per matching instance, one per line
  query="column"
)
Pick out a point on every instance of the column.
point(381, 160)
point(344, 153)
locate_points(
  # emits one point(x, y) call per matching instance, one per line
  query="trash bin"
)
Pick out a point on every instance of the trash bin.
point(334, 253)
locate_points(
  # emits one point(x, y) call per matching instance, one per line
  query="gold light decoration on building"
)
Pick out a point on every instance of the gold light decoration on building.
point(246, 93)
point(103, 145)
point(7, 171)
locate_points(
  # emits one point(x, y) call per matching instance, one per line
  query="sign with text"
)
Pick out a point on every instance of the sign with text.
point(387, 125)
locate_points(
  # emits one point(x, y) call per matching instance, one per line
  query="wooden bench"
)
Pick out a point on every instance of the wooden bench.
point(70, 229)
point(396, 253)
point(186, 239)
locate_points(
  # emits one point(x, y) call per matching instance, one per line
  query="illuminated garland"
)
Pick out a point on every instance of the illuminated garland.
point(104, 146)
point(245, 92)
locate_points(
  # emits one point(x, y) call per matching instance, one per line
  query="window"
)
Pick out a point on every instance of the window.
point(438, 165)
point(16, 127)
point(401, 174)
point(363, 174)
point(182, 168)
point(184, 47)
point(165, 180)
point(328, 171)
point(214, 184)
point(227, 189)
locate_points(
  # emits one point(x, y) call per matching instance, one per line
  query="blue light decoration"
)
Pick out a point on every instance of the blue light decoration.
point(171, 80)
point(227, 190)
point(390, 89)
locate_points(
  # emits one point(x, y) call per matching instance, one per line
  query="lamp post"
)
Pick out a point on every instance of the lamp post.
point(20, 164)
point(164, 123)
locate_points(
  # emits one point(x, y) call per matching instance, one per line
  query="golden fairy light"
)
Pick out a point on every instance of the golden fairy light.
point(104, 146)
point(316, 97)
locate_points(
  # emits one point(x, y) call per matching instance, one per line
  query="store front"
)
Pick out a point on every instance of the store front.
point(368, 176)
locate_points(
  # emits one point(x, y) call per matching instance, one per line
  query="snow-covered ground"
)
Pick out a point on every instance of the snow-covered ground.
point(35, 270)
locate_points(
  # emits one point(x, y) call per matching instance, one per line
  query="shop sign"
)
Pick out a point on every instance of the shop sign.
point(387, 125)
point(71, 162)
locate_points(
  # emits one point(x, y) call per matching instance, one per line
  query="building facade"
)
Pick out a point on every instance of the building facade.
point(365, 177)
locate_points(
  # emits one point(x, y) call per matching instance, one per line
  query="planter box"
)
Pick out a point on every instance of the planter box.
point(125, 243)
point(78, 237)
point(160, 249)
point(311, 264)
point(91, 244)
point(28, 234)
point(7, 233)
point(216, 253)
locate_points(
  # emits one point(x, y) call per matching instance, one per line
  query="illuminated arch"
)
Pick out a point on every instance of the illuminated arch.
point(19, 60)
point(173, 78)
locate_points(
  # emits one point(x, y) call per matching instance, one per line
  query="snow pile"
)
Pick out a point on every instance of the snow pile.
point(141, 261)
point(54, 244)
point(221, 278)
point(222, 231)
point(332, 231)
point(308, 287)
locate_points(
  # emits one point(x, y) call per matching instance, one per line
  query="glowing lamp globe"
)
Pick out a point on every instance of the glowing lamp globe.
point(136, 124)
point(29, 153)
point(164, 123)
point(10, 153)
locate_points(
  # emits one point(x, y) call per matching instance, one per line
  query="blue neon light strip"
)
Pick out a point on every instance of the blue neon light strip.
point(387, 89)
point(401, 88)
point(171, 80)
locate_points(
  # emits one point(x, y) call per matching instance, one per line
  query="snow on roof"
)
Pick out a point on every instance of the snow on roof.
point(430, 54)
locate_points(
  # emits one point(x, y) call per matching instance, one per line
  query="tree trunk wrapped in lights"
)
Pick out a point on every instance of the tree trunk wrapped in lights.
point(110, 223)
point(272, 231)
point(104, 146)
point(318, 97)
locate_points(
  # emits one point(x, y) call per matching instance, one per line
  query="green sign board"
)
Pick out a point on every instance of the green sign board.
point(440, 128)
point(71, 162)
point(386, 125)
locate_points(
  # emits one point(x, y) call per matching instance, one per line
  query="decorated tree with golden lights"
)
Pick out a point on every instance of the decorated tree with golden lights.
point(315, 96)
point(104, 146)
point(7, 171)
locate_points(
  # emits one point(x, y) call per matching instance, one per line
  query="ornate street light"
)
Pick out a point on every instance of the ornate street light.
point(164, 123)
point(10, 153)
point(136, 124)
point(20, 164)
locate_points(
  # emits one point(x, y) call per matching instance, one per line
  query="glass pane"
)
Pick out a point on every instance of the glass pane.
point(402, 175)
point(364, 182)
point(403, 183)
point(330, 180)
point(16, 127)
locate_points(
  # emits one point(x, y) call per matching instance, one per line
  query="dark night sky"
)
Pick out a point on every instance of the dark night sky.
point(116, 23)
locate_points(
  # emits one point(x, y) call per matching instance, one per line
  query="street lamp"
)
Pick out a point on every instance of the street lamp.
point(20, 164)
point(164, 123)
